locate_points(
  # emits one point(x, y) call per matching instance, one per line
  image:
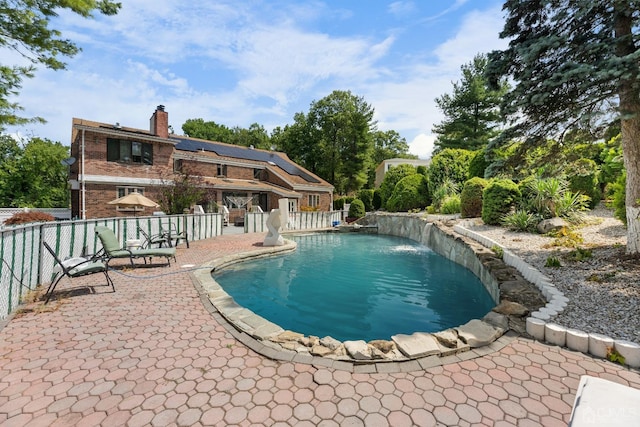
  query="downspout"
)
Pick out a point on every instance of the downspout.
point(83, 210)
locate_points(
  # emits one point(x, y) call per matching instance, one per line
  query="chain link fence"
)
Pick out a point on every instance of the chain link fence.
point(25, 264)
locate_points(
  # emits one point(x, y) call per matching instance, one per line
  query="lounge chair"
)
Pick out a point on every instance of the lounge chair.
point(113, 249)
point(154, 239)
point(75, 267)
point(172, 234)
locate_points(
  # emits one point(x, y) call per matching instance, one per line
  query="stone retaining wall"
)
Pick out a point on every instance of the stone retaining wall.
point(450, 247)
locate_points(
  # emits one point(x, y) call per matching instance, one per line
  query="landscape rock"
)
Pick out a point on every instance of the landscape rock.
point(382, 345)
point(448, 338)
point(320, 350)
point(477, 333)
point(330, 342)
point(358, 350)
point(287, 336)
point(416, 345)
point(496, 319)
point(552, 224)
point(511, 308)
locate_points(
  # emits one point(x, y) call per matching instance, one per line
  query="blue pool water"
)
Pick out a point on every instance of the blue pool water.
point(357, 286)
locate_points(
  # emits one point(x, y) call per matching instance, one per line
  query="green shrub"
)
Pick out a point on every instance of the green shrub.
point(571, 207)
point(338, 204)
point(411, 192)
point(444, 190)
point(520, 220)
point(422, 170)
point(498, 199)
point(552, 262)
point(451, 205)
point(525, 186)
point(619, 198)
point(356, 209)
point(478, 164)
point(612, 161)
point(583, 179)
point(449, 164)
point(546, 195)
point(471, 197)
point(391, 178)
point(366, 195)
point(377, 200)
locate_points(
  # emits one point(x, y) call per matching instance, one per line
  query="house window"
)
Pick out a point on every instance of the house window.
point(222, 170)
point(314, 200)
point(257, 174)
point(120, 150)
point(177, 165)
point(123, 191)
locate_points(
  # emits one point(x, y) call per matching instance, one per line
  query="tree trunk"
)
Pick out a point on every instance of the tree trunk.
point(630, 124)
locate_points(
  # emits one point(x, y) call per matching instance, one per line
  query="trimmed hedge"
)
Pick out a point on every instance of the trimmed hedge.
point(411, 192)
point(366, 195)
point(498, 199)
point(471, 197)
point(356, 209)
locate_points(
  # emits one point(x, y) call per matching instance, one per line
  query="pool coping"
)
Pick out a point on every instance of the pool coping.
point(256, 332)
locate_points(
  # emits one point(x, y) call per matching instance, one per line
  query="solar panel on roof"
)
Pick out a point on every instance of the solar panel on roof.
point(239, 152)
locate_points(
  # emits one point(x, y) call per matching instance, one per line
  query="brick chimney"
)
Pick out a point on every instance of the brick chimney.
point(160, 122)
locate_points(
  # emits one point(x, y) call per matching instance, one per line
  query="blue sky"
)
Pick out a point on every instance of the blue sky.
point(243, 62)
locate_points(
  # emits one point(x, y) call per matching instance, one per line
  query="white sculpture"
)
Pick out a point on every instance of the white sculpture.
point(277, 217)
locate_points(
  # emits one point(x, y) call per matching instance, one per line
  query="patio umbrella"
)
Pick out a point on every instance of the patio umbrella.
point(134, 200)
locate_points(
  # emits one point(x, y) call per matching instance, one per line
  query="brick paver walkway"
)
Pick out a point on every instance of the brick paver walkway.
point(151, 354)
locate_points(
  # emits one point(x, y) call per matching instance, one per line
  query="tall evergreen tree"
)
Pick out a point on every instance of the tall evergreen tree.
point(471, 111)
point(571, 60)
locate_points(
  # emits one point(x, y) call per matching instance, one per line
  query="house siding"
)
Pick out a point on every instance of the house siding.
point(102, 178)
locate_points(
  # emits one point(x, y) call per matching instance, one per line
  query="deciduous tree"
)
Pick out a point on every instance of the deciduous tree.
point(24, 28)
point(33, 175)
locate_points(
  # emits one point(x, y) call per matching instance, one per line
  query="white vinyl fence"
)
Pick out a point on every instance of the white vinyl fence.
point(257, 222)
point(26, 264)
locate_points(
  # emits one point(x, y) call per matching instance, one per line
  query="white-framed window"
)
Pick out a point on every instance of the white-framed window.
point(123, 191)
point(314, 200)
point(222, 170)
point(177, 165)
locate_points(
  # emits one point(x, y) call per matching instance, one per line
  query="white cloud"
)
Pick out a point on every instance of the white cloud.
point(422, 146)
point(240, 64)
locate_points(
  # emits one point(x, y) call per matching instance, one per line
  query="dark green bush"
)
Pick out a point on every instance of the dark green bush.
point(498, 199)
point(366, 195)
point(422, 170)
point(526, 191)
point(391, 178)
point(478, 164)
point(471, 197)
point(583, 178)
point(377, 200)
point(338, 204)
point(411, 192)
point(449, 164)
point(356, 210)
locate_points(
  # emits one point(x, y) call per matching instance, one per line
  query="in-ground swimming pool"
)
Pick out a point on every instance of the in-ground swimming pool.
point(357, 286)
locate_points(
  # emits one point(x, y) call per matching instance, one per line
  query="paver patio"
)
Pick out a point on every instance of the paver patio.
point(153, 354)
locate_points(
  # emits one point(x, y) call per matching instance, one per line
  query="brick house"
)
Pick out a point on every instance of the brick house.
point(113, 161)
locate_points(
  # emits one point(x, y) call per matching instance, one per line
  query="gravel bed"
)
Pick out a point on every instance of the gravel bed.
point(603, 290)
